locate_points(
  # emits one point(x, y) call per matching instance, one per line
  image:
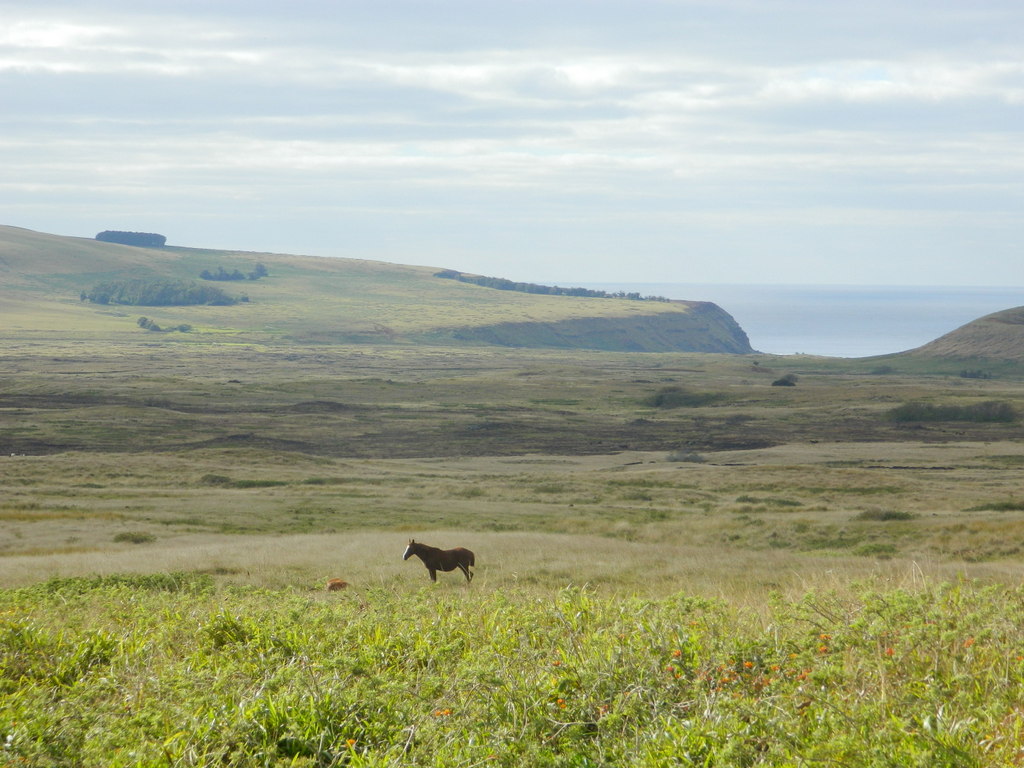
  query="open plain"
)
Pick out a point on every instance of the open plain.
point(110, 457)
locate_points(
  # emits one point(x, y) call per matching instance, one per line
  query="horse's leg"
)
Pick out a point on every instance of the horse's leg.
point(465, 570)
point(433, 574)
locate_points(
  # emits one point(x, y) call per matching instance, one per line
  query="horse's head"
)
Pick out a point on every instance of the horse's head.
point(409, 549)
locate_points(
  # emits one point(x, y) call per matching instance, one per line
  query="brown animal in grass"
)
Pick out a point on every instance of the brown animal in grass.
point(441, 559)
point(334, 585)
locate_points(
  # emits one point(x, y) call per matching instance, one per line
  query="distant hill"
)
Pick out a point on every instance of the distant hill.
point(46, 282)
point(999, 336)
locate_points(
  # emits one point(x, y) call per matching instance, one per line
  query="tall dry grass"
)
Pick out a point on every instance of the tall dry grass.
point(526, 562)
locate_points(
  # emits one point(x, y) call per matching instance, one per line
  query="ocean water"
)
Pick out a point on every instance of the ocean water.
point(839, 321)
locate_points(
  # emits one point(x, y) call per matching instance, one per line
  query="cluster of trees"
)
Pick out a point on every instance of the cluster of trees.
point(502, 284)
point(158, 293)
point(149, 325)
point(140, 239)
point(222, 274)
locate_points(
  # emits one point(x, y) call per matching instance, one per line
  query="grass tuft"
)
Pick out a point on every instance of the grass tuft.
point(884, 515)
point(191, 583)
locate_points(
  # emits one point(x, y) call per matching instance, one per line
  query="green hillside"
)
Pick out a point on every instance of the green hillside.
point(332, 300)
point(999, 336)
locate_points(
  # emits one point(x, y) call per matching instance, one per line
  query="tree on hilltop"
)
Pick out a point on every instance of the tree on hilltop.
point(138, 239)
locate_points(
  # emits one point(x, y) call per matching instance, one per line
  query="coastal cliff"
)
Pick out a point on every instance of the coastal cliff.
point(705, 327)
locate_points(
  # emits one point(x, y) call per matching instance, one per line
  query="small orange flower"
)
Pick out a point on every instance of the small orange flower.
point(556, 663)
point(350, 742)
point(824, 636)
point(822, 649)
point(560, 703)
point(748, 664)
point(889, 651)
point(676, 653)
point(968, 642)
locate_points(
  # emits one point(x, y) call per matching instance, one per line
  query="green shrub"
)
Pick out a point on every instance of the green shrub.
point(678, 397)
point(975, 373)
point(150, 325)
point(999, 506)
point(988, 411)
point(881, 550)
point(258, 483)
point(134, 537)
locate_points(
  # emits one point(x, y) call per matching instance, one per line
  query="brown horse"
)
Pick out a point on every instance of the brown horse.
point(441, 559)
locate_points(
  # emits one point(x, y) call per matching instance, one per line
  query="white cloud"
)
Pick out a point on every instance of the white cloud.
point(44, 34)
point(586, 126)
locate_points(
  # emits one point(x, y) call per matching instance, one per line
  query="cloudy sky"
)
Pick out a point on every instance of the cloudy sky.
point(728, 141)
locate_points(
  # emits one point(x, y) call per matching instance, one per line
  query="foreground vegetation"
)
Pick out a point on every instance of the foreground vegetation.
point(171, 671)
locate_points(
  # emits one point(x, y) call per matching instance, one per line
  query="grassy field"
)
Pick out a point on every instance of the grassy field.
point(678, 563)
point(770, 576)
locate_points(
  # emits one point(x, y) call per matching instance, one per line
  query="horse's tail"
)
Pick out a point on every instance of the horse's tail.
point(472, 559)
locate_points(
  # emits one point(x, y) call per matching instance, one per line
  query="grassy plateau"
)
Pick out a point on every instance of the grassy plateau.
point(677, 563)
